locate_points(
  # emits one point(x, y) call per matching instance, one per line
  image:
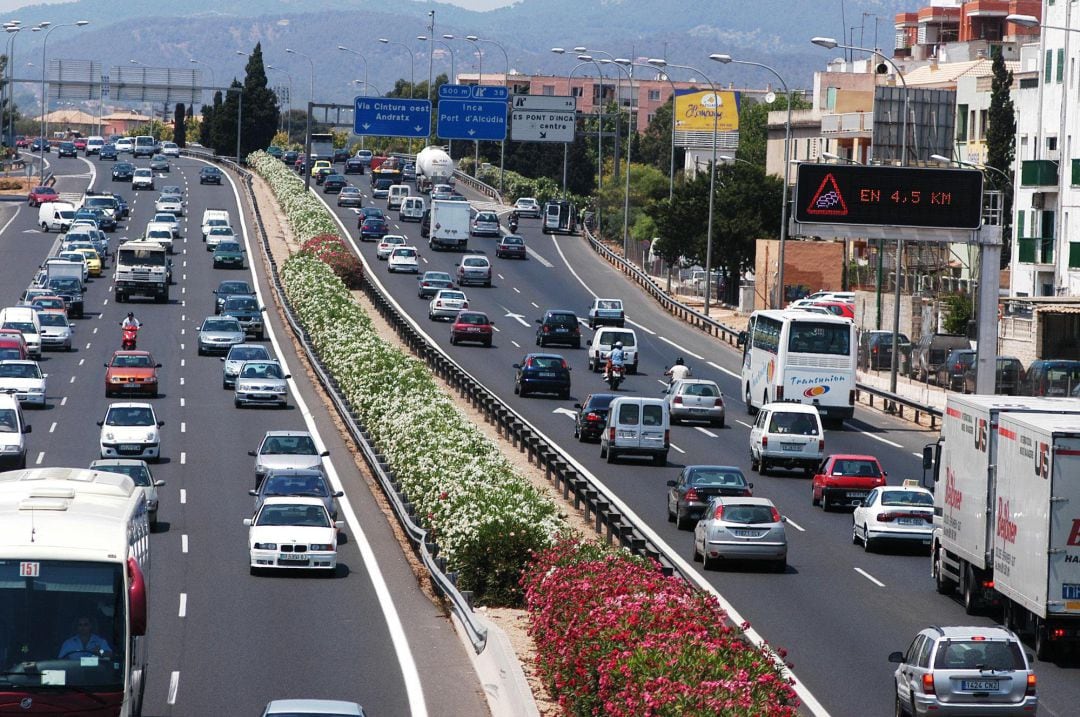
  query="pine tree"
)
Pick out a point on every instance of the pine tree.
point(1001, 145)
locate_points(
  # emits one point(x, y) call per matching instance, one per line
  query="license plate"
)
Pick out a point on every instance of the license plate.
point(292, 558)
point(791, 446)
point(979, 685)
point(911, 521)
point(547, 374)
point(130, 447)
point(745, 533)
point(131, 384)
point(472, 330)
point(856, 494)
point(698, 410)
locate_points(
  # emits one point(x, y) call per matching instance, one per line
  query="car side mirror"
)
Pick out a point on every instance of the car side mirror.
point(750, 485)
point(928, 458)
point(105, 365)
point(27, 429)
point(101, 423)
point(339, 524)
point(670, 484)
point(577, 405)
point(897, 657)
point(252, 491)
point(517, 365)
point(247, 522)
point(740, 339)
point(783, 519)
point(160, 424)
point(885, 473)
point(157, 365)
point(324, 454)
point(288, 375)
point(250, 453)
point(539, 321)
point(339, 494)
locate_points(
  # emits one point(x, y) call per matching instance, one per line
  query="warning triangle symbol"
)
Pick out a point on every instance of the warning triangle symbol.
point(827, 200)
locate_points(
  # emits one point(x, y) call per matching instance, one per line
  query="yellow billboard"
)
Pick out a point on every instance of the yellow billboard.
point(695, 111)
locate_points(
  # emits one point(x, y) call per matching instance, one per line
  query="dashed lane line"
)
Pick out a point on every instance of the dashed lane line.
point(183, 543)
point(40, 458)
point(886, 441)
point(183, 491)
point(677, 448)
point(718, 367)
point(183, 605)
point(743, 423)
point(870, 577)
point(796, 526)
point(706, 431)
point(52, 427)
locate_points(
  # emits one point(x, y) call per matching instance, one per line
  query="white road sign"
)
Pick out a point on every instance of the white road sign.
point(543, 102)
point(542, 126)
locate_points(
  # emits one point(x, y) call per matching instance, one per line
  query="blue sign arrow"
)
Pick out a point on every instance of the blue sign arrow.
point(472, 119)
point(489, 92)
point(455, 92)
point(391, 117)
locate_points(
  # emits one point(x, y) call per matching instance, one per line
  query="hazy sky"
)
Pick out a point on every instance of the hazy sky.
point(7, 6)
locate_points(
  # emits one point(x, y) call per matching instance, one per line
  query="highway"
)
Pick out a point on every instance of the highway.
point(838, 611)
point(221, 640)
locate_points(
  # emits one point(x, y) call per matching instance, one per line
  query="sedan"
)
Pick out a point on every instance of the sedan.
point(281, 450)
point(334, 183)
point(690, 493)
point(210, 175)
point(404, 258)
point(591, 416)
point(159, 163)
point(388, 244)
point(441, 191)
point(903, 513)
point(217, 235)
point(41, 194)
point(142, 178)
point(130, 372)
point(261, 382)
point(350, 197)
point(171, 204)
point(130, 430)
point(846, 479)
point(139, 473)
point(740, 528)
point(313, 708)
point(108, 152)
point(248, 312)
point(307, 482)
point(170, 149)
point(527, 207)
point(695, 399)
point(25, 379)
point(170, 219)
point(373, 228)
point(292, 532)
point(228, 255)
point(431, 282)
point(40, 144)
point(229, 288)
point(472, 326)
point(219, 334)
point(542, 373)
point(446, 304)
point(354, 165)
point(56, 331)
point(367, 212)
point(486, 224)
point(123, 171)
point(511, 246)
point(235, 359)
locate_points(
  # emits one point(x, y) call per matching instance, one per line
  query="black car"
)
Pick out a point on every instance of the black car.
point(108, 151)
point(875, 351)
point(123, 171)
point(39, 145)
point(689, 494)
point(1008, 377)
point(104, 221)
point(542, 373)
point(122, 208)
point(209, 175)
point(431, 282)
point(340, 155)
point(950, 373)
point(229, 288)
point(558, 326)
point(67, 149)
point(333, 183)
point(247, 311)
point(354, 165)
point(289, 158)
point(591, 417)
point(425, 223)
point(1051, 377)
point(322, 173)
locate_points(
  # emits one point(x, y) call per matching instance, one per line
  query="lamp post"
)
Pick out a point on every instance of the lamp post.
point(453, 77)
point(412, 70)
point(506, 74)
point(671, 169)
point(152, 108)
point(12, 29)
point(288, 116)
point(209, 68)
point(45, 97)
point(622, 64)
point(565, 151)
point(599, 127)
point(618, 112)
point(727, 59)
point(367, 86)
point(311, 101)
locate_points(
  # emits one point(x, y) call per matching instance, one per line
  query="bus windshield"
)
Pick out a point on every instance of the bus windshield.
point(807, 337)
point(62, 624)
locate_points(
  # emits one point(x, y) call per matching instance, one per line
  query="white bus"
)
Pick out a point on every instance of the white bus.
point(74, 566)
point(799, 356)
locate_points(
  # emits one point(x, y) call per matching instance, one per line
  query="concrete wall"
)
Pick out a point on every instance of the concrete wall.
point(817, 265)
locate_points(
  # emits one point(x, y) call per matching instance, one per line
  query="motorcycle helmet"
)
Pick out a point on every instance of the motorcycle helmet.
point(131, 315)
point(618, 344)
point(679, 361)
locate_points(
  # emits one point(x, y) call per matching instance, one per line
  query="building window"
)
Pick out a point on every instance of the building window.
point(549, 90)
point(984, 120)
point(576, 91)
point(830, 98)
point(651, 116)
point(962, 119)
point(1075, 172)
point(1060, 65)
point(1051, 143)
point(654, 95)
point(1074, 255)
point(1048, 66)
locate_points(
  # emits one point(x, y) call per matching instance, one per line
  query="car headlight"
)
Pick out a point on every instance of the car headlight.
point(151, 436)
point(150, 379)
point(265, 546)
point(151, 505)
point(116, 379)
point(322, 546)
point(109, 436)
point(9, 449)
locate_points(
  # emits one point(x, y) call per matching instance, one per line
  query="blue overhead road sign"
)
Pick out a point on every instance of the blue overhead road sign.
point(472, 112)
point(391, 117)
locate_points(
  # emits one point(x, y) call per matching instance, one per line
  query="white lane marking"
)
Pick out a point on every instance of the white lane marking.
point(699, 357)
point(63, 401)
point(52, 427)
point(104, 303)
point(543, 262)
point(501, 276)
point(520, 318)
point(677, 448)
point(424, 259)
point(183, 457)
point(516, 289)
point(572, 415)
point(181, 380)
point(515, 343)
point(40, 458)
point(495, 328)
point(917, 455)
point(646, 329)
point(718, 367)
point(181, 347)
point(184, 543)
point(183, 289)
point(183, 605)
point(183, 427)
point(592, 293)
point(88, 346)
point(183, 317)
point(181, 402)
point(94, 331)
point(183, 491)
point(886, 441)
point(174, 683)
point(182, 363)
point(796, 526)
point(72, 380)
point(706, 431)
point(9, 221)
point(743, 423)
point(183, 331)
point(661, 382)
point(535, 305)
point(870, 577)
point(82, 361)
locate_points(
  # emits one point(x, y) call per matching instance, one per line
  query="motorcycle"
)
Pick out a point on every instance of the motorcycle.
point(513, 226)
point(127, 341)
point(614, 376)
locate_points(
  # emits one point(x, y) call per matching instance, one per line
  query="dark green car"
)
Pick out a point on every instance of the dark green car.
point(229, 255)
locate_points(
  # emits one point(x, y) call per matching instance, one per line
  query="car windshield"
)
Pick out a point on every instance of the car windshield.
point(308, 516)
point(52, 319)
point(233, 287)
point(226, 246)
point(132, 361)
point(285, 484)
point(7, 421)
point(437, 276)
point(979, 654)
point(241, 303)
point(516, 241)
point(165, 217)
point(748, 514)
point(393, 240)
point(247, 353)
point(855, 467)
point(907, 497)
point(561, 319)
point(798, 424)
point(24, 326)
point(19, 370)
point(475, 261)
point(261, 370)
point(715, 477)
point(223, 231)
point(289, 445)
point(545, 362)
point(808, 337)
point(609, 304)
point(486, 217)
point(700, 389)
point(405, 253)
point(130, 416)
point(137, 472)
point(221, 325)
point(474, 319)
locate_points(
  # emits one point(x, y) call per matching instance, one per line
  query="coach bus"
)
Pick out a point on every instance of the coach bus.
point(791, 355)
point(74, 565)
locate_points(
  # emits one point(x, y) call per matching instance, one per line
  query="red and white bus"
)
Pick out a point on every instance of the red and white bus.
point(74, 565)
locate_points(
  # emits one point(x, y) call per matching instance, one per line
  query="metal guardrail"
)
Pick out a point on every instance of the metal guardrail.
point(474, 183)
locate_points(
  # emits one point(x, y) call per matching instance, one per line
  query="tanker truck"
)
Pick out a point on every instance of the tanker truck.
point(433, 166)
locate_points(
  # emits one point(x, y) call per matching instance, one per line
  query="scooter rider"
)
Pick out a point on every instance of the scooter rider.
point(679, 371)
point(130, 322)
point(513, 221)
point(615, 358)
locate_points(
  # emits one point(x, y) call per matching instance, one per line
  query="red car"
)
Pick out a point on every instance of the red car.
point(472, 326)
point(845, 479)
point(131, 372)
point(40, 194)
point(838, 308)
point(80, 144)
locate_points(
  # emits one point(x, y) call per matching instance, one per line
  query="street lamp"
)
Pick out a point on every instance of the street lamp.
point(311, 101)
point(45, 97)
point(565, 151)
point(453, 77)
point(599, 126)
point(209, 68)
point(727, 59)
point(12, 29)
point(362, 57)
point(289, 115)
point(412, 63)
point(506, 74)
point(367, 86)
point(621, 64)
point(661, 63)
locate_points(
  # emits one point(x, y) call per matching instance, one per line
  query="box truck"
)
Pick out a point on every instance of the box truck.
point(449, 225)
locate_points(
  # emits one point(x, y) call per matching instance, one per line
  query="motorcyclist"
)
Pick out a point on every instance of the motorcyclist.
point(615, 358)
point(513, 221)
point(130, 322)
point(679, 371)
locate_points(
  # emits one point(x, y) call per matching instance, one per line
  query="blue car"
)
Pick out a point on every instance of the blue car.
point(542, 373)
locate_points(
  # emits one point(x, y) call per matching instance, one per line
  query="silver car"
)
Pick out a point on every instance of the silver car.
point(261, 382)
point(695, 399)
point(171, 203)
point(446, 304)
point(307, 482)
point(486, 224)
point(165, 217)
point(280, 450)
point(139, 472)
point(474, 270)
point(741, 528)
point(235, 359)
point(56, 330)
point(218, 334)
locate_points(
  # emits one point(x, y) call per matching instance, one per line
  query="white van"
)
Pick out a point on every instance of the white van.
point(214, 218)
point(602, 342)
point(25, 320)
point(56, 216)
point(637, 426)
point(787, 435)
point(94, 145)
point(144, 146)
point(159, 233)
point(397, 192)
point(12, 440)
point(412, 209)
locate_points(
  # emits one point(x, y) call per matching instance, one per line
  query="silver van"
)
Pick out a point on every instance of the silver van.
point(637, 426)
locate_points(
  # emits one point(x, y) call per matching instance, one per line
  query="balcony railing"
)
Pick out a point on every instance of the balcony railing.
point(847, 122)
point(1039, 173)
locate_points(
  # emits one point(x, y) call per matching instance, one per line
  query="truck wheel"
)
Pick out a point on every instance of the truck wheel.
point(970, 600)
point(942, 584)
point(1045, 650)
point(118, 297)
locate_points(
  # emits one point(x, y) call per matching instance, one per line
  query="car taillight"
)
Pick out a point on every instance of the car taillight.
point(779, 393)
point(928, 685)
point(821, 445)
point(692, 495)
point(547, 329)
point(719, 514)
point(592, 417)
point(678, 399)
point(1030, 685)
point(764, 441)
point(465, 304)
point(959, 366)
point(667, 437)
point(718, 402)
point(565, 365)
point(775, 515)
point(438, 303)
point(611, 434)
point(874, 350)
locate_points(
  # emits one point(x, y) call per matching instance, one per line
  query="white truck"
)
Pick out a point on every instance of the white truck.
point(449, 225)
point(141, 269)
point(1037, 528)
point(160, 233)
point(433, 166)
point(966, 469)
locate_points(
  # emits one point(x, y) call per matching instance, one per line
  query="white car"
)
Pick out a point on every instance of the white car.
point(388, 244)
point(404, 258)
point(447, 303)
point(25, 380)
point(125, 144)
point(141, 476)
point(143, 178)
point(216, 235)
point(168, 218)
point(171, 203)
point(527, 207)
point(292, 532)
point(170, 149)
point(904, 513)
point(130, 430)
point(313, 708)
point(787, 435)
